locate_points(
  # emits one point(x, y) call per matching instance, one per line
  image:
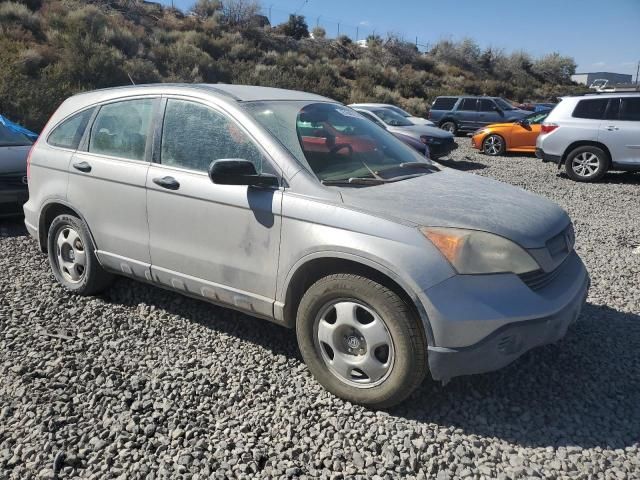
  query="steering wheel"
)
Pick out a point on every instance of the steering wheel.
point(341, 146)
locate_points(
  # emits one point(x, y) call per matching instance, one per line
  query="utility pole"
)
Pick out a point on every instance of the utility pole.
point(270, 7)
point(338, 28)
point(357, 32)
point(637, 71)
point(318, 21)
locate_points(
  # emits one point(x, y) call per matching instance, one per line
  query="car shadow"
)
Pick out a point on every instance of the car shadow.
point(613, 178)
point(464, 165)
point(12, 227)
point(583, 391)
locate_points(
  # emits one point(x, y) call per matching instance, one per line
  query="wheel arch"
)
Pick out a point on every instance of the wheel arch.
point(448, 119)
point(49, 212)
point(504, 140)
point(585, 143)
point(316, 267)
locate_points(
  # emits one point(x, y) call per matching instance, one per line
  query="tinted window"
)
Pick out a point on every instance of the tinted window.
point(121, 129)
point(613, 110)
point(194, 135)
point(444, 103)
point(371, 117)
point(69, 133)
point(630, 109)
point(487, 105)
point(592, 108)
point(468, 105)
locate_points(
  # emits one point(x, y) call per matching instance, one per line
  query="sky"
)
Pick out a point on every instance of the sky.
point(601, 35)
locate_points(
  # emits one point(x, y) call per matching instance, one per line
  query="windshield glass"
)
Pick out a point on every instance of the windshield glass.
point(504, 105)
point(335, 142)
point(392, 118)
point(536, 118)
point(398, 110)
point(9, 138)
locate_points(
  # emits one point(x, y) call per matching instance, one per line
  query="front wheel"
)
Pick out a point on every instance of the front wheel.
point(493, 145)
point(587, 164)
point(72, 257)
point(361, 341)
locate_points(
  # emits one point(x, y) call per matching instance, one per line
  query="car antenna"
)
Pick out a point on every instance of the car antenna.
point(131, 79)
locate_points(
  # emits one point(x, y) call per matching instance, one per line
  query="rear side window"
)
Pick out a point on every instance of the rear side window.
point(121, 129)
point(468, 105)
point(592, 108)
point(444, 103)
point(630, 109)
point(195, 135)
point(69, 133)
point(613, 110)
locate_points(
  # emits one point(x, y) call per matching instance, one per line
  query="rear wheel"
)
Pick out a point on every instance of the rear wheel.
point(450, 126)
point(587, 164)
point(72, 257)
point(361, 341)
point(493, 145)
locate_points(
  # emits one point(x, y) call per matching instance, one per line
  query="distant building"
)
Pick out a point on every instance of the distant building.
point(613, 78)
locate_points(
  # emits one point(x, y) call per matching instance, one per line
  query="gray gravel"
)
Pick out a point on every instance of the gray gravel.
point(141, 383)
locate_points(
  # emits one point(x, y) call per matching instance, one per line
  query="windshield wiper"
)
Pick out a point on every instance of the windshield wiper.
point(427, 166)
point(354, 181)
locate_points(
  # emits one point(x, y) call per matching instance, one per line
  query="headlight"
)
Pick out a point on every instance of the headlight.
point(429, 140)
point(474, 252)
point(481, 131)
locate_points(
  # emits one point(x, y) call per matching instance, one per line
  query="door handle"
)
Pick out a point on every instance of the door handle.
point(611, 128)
point(169, 183)
point(82, 166)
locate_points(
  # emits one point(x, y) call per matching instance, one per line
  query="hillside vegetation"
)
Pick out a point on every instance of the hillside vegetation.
point(51, 49)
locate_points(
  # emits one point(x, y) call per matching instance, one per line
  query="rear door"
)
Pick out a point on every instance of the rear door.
point(217, 241)
point(107, 178)
point(620, 130)
point(467, 114)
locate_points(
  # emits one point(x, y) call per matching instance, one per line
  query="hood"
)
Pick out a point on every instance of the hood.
point(14, 159)
point(454, 199)
point(416, 131)
point(499, 125)
point(420, 121)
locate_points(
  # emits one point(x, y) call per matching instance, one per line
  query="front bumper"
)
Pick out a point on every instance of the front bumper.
point(442, 149)
point(481, 325)
point(546, 157)
point(12, 199)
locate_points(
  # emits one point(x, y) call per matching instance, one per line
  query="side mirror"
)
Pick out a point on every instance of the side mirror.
point(497, 109)
point(236, 171)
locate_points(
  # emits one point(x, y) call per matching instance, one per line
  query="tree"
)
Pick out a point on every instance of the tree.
point(555, 68)
point(206, 8)
point(239, 13)
point(318, 32)
point(295, 27)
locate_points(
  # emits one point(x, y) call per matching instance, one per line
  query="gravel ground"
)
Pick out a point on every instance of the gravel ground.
point(144, 383)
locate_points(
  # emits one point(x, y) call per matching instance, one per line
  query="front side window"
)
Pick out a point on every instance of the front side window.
point(468, 105)
point(121, 129)
point(503, 104)
point(69, 133)
point(592, 108)
point(487, 105)
point(630, 109)
point(335, 142)
point(194, 135)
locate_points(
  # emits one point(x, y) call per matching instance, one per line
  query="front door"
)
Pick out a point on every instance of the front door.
point(488, 113)
point(220, 242)
point(107, 179)
point(620, 131)
point(467, 114)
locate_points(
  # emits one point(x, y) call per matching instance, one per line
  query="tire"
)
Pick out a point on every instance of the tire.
point(494, 145)
point(392, 367)
point(449, 126)
point(592, 161)
point(72, 257)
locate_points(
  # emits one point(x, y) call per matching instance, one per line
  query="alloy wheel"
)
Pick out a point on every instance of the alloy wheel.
point(493, 145)
point(585, 164)
point(354, 343)
point(71, 255)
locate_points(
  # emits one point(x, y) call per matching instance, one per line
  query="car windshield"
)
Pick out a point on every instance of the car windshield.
point(392, 118)
point(9, 138)
point(504, 105)
point(336, 143)
point(398, 110)
point(537, 117)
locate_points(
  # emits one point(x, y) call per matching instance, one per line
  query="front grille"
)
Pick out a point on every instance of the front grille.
point(539, 279)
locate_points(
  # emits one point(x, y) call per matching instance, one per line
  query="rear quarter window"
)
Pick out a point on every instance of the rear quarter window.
point(444, 103)
point(69, 133)
point(591, 108)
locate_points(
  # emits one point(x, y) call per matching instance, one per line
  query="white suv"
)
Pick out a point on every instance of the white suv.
point(592, 134)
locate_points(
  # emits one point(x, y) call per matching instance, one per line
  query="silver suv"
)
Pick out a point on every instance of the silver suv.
point(592, 134)
point(294, 208)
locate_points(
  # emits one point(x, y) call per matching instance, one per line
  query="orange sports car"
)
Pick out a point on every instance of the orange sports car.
point(497, 138)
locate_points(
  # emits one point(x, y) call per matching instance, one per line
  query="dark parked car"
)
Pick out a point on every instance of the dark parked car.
point(14, 150)
point(430, 141)
point(467, 114)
